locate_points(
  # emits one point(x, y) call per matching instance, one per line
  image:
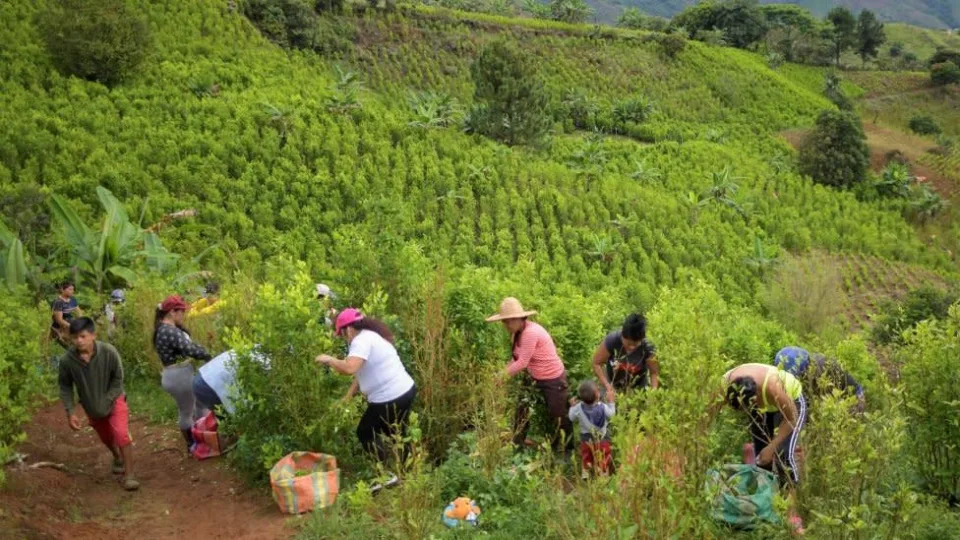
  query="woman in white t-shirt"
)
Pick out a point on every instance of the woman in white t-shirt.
point(381, 378)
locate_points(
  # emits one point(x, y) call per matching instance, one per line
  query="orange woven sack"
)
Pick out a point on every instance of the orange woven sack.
point(302, 481)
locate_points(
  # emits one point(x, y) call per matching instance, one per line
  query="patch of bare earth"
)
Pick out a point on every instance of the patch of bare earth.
point(179, 497)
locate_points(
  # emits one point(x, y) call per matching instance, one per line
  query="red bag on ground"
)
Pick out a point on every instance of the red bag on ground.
point(206, 439)
point(302, 481)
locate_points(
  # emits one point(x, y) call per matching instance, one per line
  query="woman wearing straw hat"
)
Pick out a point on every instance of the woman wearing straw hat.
point(535, 353)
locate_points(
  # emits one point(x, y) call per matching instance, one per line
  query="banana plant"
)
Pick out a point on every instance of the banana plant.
point(105, 258)
point(13, 265)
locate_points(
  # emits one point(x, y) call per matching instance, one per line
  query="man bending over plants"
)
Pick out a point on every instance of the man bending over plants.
point(768, 394)
point(95, 369)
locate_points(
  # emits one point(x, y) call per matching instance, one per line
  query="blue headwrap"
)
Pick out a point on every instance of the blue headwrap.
point(793, 360)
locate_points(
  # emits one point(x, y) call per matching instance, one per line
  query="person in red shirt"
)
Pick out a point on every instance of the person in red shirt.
point(535, 353)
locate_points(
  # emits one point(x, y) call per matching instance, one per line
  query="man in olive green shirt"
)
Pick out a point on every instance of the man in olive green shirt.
point(94, 369)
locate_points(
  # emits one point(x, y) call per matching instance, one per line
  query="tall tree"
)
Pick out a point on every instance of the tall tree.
point(511, 98)
point(870, 35)
point(835, 153)
point(842, 31)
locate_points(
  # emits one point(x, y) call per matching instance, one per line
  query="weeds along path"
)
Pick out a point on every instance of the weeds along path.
point(178, 498)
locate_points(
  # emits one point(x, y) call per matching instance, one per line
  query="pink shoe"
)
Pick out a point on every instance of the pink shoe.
point(796, 523)
point(749, 454)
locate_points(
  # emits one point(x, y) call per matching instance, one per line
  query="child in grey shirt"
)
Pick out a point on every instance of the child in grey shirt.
point(593, 416)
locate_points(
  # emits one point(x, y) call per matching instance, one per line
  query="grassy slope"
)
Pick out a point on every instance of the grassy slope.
point(911, 11)
point(152, 137)
point(921, 41)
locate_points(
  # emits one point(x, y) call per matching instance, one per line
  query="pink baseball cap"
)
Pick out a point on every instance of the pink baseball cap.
point(346, 318)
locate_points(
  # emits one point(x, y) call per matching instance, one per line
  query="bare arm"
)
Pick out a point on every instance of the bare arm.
point(789, 411)
point(654, 366)
point(347, 366)
point(352, 391)
point(600, 358)
point(61, 322)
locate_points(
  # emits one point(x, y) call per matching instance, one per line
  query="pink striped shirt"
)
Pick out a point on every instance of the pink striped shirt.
point(536, 353)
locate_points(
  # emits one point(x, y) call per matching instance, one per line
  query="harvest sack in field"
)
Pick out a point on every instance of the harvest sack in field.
point(302, 481)
point(206, 439)
point(742, 495)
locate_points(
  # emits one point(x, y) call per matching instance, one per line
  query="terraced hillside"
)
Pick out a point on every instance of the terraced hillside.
point(664, 187)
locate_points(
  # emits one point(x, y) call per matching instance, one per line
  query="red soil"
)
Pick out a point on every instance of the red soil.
point(178, 498)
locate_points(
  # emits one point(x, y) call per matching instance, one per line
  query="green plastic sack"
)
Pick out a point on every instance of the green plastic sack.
point(742, 495)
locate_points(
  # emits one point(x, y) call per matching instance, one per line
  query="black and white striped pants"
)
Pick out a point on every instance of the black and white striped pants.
point(763, 426)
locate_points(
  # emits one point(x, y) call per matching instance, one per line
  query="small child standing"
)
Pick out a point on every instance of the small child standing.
point(593, 416)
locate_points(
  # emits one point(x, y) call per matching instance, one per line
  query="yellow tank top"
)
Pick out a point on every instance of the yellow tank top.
point(791, 385)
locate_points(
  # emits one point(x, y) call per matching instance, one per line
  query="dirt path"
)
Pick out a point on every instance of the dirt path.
point(179, 497)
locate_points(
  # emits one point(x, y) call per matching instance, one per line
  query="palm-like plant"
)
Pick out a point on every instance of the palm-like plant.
point(895, 181)
point(280, 119)
point(104, 258)
point(623, 223)
point(723, 191)
point(346, 91)
point(478, 172)
point(645, 173)
point(759, 259)
point(926, 204)
point(452, 194)
point(779, 162)
point(601, 248)
point(590, 159)
point(433, 110)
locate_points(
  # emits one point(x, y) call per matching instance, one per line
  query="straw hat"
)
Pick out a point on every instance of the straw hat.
point(510, 308)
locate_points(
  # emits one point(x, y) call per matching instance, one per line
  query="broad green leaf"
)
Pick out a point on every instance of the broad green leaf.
point(15, 268)
point(76, 230)
point(124, 273)
point(6, 235)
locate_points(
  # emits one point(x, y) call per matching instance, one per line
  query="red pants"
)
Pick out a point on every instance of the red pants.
point(596, 450)
point(113, 429)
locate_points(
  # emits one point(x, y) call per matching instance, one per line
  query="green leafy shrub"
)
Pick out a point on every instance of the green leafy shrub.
point(929, 371)
point(635, 110)
point(433, 110)
point(631, 17)
point(671, 45)
point(895, 181)
point(293, 405)
point(570, 11)
point(290, 23)
point(945, 73)
point(24, 358)
point(805, 294)
point(924, 125)
point(739, 21)
point(834, 92)
point(99, 40)
point(513, 102)
point(896, 317)
point(835, 153)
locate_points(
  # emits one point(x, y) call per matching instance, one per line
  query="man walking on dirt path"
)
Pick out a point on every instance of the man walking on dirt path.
point(95, 369)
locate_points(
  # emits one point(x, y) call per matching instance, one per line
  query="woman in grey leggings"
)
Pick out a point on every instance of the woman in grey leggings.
point(175, 348)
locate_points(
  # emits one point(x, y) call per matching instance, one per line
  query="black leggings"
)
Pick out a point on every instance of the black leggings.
point(377, 425)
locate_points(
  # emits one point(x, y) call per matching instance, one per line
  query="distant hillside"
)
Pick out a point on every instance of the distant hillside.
point(928, 13)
